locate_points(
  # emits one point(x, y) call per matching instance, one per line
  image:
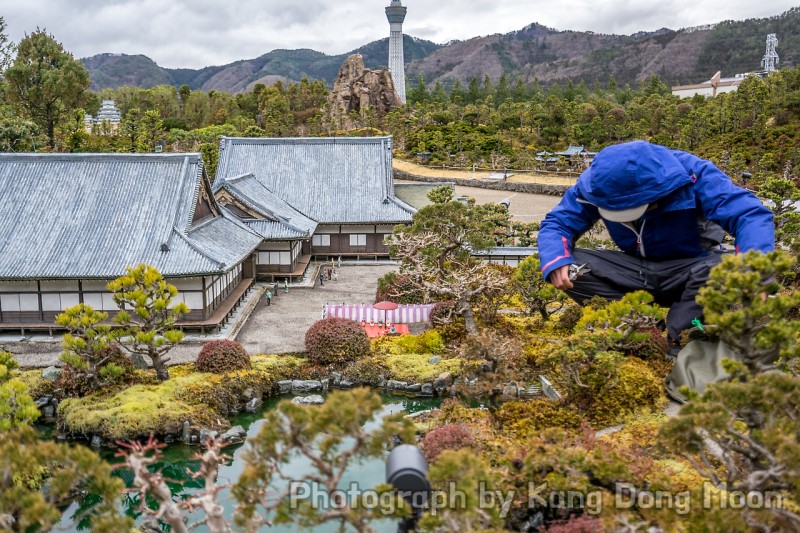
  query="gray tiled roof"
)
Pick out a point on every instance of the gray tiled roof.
point(520, 251)
point(91, 215)
point(330, 180)
point(281, 221)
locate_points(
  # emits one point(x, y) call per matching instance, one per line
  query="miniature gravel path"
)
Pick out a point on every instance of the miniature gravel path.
point(515, 177)
point(281, 327)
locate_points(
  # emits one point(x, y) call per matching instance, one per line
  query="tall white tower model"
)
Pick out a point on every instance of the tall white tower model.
point(396, 13)
point(770, 60)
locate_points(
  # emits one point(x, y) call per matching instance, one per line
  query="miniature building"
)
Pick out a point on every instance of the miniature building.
point(311, 197)
point(716, 85)
point(69, 223)
point(109, 116)
point(577, 156)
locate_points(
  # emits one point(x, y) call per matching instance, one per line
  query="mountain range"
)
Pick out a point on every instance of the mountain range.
point(689, 55)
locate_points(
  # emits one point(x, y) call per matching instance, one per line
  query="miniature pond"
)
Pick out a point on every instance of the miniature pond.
point(178, 457)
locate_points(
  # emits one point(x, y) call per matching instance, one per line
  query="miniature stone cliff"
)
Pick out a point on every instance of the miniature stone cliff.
point(362, 90)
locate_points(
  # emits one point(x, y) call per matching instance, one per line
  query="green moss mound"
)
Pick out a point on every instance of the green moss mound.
point(430, 342)
point(449, 437)
point(36, 384)
point(135, 412)
point(524, 419)
point(639, 391)
point(203, 399)
point(416, 368)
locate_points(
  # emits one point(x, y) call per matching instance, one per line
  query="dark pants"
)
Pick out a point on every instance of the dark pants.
point(673, 283)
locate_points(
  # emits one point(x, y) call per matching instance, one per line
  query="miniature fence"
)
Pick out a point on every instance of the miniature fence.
point(404, 314)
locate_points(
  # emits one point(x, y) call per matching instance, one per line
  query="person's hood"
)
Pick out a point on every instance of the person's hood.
point(631, 174)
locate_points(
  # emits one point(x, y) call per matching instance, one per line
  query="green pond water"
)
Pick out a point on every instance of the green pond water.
point(178, 457)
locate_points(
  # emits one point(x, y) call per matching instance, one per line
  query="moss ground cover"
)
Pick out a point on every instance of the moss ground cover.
point(204, 399)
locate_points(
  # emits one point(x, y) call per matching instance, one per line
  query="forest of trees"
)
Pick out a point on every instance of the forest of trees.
point(498, 123)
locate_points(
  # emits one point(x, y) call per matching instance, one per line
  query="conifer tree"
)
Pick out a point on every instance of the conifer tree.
point(45, 82)
point(147, 329)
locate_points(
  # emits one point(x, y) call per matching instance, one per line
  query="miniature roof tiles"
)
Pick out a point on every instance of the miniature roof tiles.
point(92, 215)
point(329, 180)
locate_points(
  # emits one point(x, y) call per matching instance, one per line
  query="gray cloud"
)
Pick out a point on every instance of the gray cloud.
point(197, 33)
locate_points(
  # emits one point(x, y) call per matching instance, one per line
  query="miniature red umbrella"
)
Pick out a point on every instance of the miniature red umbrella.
point(385, 306)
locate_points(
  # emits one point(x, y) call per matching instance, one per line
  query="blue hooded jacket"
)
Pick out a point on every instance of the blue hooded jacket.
point(683, 191)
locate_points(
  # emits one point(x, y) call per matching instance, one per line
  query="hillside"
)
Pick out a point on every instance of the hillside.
point(683, 56)
point(534, 52)
point(114, 70)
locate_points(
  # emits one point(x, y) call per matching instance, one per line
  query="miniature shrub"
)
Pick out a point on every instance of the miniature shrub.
point(367, 371)
point(652, 347)
point(447, 321)
point(223, 356)
point(626, 323)
point(568, 318)
point(398, 288)
point(17, 408)
point(37, 385)
point(336, 342)
point(449, 437)
point(453, 411)
point(467, 474)
point(74, 382)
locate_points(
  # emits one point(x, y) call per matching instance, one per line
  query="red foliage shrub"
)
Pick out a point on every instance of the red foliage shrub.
point(577, 524)
point(654, 347)
point(336, 342)
point(220, 357)
point(449, 437)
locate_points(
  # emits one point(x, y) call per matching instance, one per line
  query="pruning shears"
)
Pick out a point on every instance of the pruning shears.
point(575, 271)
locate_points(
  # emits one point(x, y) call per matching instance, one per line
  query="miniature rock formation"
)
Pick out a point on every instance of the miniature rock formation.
point(360, 89)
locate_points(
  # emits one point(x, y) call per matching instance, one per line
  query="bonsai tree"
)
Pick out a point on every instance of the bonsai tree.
point(327, 438)
point(781, 195)
point(435, 251)
point(17, 408)
point(86, 346)
point(152, 484)
point(744, 306)
point(147, 330)
point(753, 419)
point(540, 296)
point(755, 426)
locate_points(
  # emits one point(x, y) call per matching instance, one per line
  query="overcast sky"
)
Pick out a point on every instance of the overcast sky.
point(198, 33)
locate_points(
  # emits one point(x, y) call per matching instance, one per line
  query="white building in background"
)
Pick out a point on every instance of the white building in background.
point(108, 114)
point(718, 85)
point(396, 13)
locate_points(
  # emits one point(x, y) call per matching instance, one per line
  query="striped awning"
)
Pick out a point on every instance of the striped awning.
point(404, 314)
